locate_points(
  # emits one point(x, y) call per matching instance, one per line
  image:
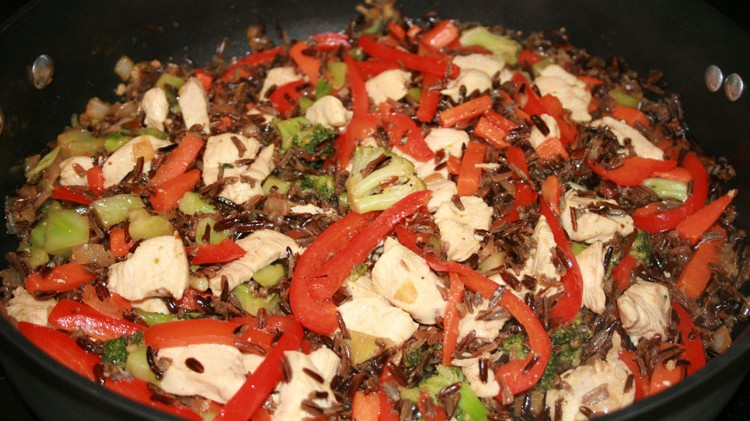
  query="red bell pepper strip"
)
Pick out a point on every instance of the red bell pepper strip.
point(621, 274)
point(552, 192)
point(697, 273)
point(693, 227)
point(62, 278)
point(238, 68)
point(166, 196)
point(60, 347)
point(207, 331)
point(65, 194)
point(224, 252)
point(139, 391)
point(524, 196)
point(517, 158)
point(631, 116)
point(310, 65)
point(331, 41)
point(372, 68)
point(675, 174)
point(568, 306)
point(534, 104)
point(365, 406)
point(399, 126)
point(113, 305)
point(286, 96)
point(95, 180)
point(179, 160)
point(263, 380)
point(694, 352)
point(451, 318)
point(651, 219)
point(204, 78)
point(360, 100)
point(554, 108)
point(590, 81)
point(325, 283)
point(528, 58)
point(633, 170)
point(359, 128)
point(118, 244)
point(500, 121)
point(465, 111)
point(430, 99)
point(70, 315)
point(397, 31)
point(470, 176)
point(488, 131)
point(320, 315)
point(441, 35)
point(640, 381)
point(662, 378)
point(387, 411)
point(410, 61)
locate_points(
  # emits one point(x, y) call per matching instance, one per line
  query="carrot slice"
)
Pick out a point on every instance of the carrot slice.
point(450, 321)
point(693, 227)
point(309, 65)
point(491, 133)
point(167, 195)
point(465, 111)
point(697, 273)
point(631, 116)
point(470, 176)
point(179, 160)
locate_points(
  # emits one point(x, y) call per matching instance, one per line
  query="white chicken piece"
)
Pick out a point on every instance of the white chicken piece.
point(241, 190)
point(641, 146)
point(23, 307)
point(156, 107)
point(124, 159)
point(151, 305)
point(598, 385)
point(390, 84)
point(443, 191)
point(194, 105)
point(158, 268)
point(404, 279)
point(375, 317)
point(471, 81)
point(591, 226)
point(361, 287)
point(485, 63)
point(328, 111)
point(278, 76)
point(644, 310)
point(263, 247)
point(322, 362)
point(308, 208)
point(69, 175)
point(225, 369)
point(591, 262)
point(537, 138)
point(457, 226)
point(452, 141)
point(571, 91)
point(470, 368)
point(485, 328)
point(222, 152)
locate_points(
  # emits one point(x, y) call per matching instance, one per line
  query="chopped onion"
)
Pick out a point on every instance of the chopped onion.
point(92, 253)
point(97, 109)
point(123, 67)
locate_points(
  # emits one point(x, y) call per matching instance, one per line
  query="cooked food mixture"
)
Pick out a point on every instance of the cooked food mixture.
point(409, 219)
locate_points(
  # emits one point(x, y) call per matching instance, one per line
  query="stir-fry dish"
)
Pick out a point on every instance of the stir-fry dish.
point(408, 219)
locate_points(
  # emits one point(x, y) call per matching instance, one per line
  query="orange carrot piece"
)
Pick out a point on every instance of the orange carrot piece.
point(441, 35)
point(167, 195)
point(631, 116)
point(697, 272)
point(117, 243)
point(693, 227)
point(179, 160)
point(365, 406)
point(469, 175)
point(465, 111)
point(450, 321)
point(491, 133)
point(309, 65)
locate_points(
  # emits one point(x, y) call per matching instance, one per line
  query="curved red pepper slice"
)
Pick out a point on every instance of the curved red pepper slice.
point(331, 40)
point(226, 251)
point(360, 100)
point(410, 61)
point(691, 340)
point(633, 170)
point(400, 126)
point(238, 68)
point(138, 391)
point(641, 382)
point(66, 194)
point(651, 219)
point(286, 96)
point(372, 68)
point(430, 99)
point(61, 278)
point(61, 347)
point(95, 180)
point(310, 65)
point(70, 315)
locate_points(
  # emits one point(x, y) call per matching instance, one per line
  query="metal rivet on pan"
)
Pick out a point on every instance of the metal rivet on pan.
point(733, 87)
point(713, 77)
point(42, 71)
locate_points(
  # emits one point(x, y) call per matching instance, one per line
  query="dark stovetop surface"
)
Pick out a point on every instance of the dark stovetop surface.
point(738, 408)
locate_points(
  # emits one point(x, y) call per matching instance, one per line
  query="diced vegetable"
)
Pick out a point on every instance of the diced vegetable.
point(166, 196)
point(206, 234)
point(192, 203)
point(167, 79)
point(144, 225)
point(251, 303)
point(65, 229)
point(667, 189)
point(445, 376)
point(152, 318)
point(78, 142)
point(223, 252)
point(114, 141)
point(280, 186)
point(322, 184)
point(300, 132)
point(43, 164)
point(624, 98)
point(641, 248)
point(112, 210)
point(114, 351)
point(502, 47)
point(337, 70)
point(270, 275)
point(137, 365)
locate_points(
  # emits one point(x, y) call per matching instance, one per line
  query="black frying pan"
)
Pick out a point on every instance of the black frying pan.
point(86, 38)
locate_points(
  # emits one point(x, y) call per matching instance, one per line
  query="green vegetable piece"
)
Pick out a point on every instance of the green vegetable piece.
point(322, 88)
point(115, 141)
point(364, 346)
point(305, 103)
point(515, 347)
point(414, 93)
point(150, 131)
point(153, 318)
point(43, 164)
point(578, 247)
point(337, 71)
point(199, 283)
point(366, 193)
point(192, 203)
point(37, 256)
point(137, 365)
point(65, 229)
point(344, 200)
point(624, 98)
point(501, 46)
point(115, 351)
point(445, 376)
point(167, 79)
point(114, 209)
point(79, 142)
point(374, 28)
point(214, 237)
point(269, 275)
point(322, 184)
point(567, 344)
point(251, 304)
point(537, 67)
point(300, 132)
point(144, 225)
point(667, 189)
point(282, 187)
point(641, 248)
point(38, 233)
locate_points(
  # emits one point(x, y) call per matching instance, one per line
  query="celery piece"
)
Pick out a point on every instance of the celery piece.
point(344, 200)
point(168, 79)
point(49, 206)
point(79, 142)
point(337, 70)
point(150, 131)
point(192, 203)
point(414, 93)
point(250, 303)
point(667, 189)
point(137, 365)
point(114, 141)
point(305, 103)
point(578, 247)
point(375, 27)
point(144, 225)
point(357, 53)
point(65, 229)
point(214, 237)
point(493, 261)
point(537, 67)
point(37, 256)
point(114, 209)
point(626, 99)
point(153, 318)
point(43, 163)
point(322, 88)
point(501, 46)
point(269, 275)
point(199, 283)
point(38, 233)
point(282, 187)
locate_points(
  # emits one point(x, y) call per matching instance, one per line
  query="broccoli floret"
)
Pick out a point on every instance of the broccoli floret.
point(322, 184)
point(379, 179)
point(115, 351)
point(300, 132)
point(641, 249)
point(567, 344)
point(469, 407)
point(514, 346)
